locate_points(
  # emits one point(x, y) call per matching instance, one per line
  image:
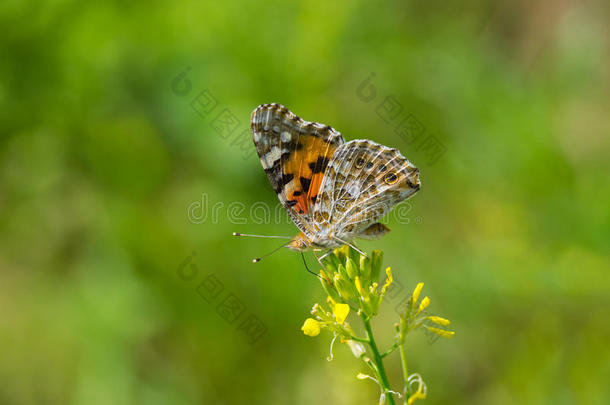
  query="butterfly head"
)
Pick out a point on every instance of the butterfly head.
point(299, 243)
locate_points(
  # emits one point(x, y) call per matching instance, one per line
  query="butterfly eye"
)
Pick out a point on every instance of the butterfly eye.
point(382, 168)
point(369, 165)
point(390, 178)
point(359, 163)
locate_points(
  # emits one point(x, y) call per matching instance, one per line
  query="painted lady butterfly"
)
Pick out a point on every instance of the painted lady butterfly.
point(333, 190)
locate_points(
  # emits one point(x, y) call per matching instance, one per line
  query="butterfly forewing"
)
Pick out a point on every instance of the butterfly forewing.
point(294, 154)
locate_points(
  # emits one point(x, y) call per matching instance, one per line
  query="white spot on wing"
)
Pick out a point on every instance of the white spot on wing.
point(274, 154)
point(286, 136)
point(354, 188)
point(270, 158)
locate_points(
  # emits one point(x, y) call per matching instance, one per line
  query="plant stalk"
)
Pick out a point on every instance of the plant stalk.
point(405, 372)
point(378, 360)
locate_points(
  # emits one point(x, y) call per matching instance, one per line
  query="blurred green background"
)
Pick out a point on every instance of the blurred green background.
point(118, 197)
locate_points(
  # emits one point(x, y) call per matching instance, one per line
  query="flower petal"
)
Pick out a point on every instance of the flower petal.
point(311, 327)
point(341, 311)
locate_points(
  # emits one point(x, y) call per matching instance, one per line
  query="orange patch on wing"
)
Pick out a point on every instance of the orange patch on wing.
point(306, 183)
point(310, 148)
point(301, 206)
point(314, 188)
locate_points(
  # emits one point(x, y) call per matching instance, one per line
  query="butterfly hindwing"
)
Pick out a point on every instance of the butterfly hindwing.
point(374, 231)
point(295, 154)
point(364, 180)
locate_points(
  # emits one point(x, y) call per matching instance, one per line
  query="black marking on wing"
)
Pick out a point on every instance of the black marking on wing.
point(286, 178)
point(305, 182)
point(320, 165)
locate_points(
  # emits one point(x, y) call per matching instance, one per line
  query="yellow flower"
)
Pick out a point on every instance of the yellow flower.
point(438, 320)
point(441, 332)
point(311, 327)
point(423, 304)
point(341, 311)
point(388, 280)
point(416, 292)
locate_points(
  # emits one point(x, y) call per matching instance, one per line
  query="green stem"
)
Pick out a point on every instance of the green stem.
point(405, 372)
point(389, 351)
point(357, 339)
point(378, 360)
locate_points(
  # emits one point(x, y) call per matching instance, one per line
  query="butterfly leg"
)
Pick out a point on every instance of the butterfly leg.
point(319, 259)
point(330, 251)
point(353, 246)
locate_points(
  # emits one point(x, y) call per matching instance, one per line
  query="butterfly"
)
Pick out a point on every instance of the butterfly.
point(334, 191)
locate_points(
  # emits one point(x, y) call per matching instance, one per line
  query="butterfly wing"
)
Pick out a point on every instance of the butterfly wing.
point(374, 231)
point(295, 154)
point(364, 180)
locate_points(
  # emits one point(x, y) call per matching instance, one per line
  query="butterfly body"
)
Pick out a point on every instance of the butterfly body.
point(334, 191)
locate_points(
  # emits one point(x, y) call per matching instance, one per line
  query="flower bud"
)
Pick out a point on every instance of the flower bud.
point(423, 304)
point(441, 332)
point(438, 320)
point(415, 295)
point(346, 289)
point(365, 267)
point(351, 269)
point(330, 290)
point(376, 259)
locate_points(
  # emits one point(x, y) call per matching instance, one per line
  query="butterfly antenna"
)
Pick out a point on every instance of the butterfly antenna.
point(261, 236)
point(307, 268)
point(258, 259)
